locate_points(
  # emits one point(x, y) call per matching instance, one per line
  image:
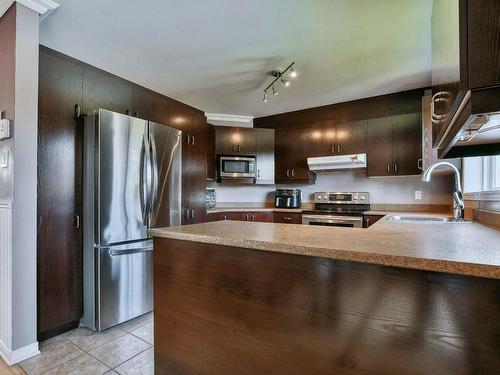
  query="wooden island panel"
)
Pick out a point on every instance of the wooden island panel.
point(229, 310)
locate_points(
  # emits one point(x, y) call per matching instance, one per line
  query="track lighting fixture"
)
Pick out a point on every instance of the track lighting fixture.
point(278, 75)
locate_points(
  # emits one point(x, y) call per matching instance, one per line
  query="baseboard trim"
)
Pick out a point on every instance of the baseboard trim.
point(11, 357)
point(45, 335)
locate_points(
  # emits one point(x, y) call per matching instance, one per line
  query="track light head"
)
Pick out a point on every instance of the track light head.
point(285, 82)
point(293, 73)
point(275, 92)
point(265, 99)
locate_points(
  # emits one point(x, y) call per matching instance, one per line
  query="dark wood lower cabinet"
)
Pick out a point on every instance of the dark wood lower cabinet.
point(259, 216)
point(253, 312)
point(287, 217)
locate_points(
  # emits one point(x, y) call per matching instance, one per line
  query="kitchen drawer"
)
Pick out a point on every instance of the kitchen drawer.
point(259, 216)
point(287, 217)
point(216, 216)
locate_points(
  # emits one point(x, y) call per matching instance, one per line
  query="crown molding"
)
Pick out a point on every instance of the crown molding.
point(220, 117)
point(39, 6)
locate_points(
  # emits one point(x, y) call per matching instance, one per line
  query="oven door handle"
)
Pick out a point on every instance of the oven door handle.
point(329, 218)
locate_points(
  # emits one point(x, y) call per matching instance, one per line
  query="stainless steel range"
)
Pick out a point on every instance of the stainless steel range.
point(338, 209)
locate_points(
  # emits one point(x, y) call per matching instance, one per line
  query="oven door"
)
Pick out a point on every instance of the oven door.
point(236, 167)
point(333, 221)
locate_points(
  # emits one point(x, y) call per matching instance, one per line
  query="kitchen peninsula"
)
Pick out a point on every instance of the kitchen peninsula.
point(260, 298)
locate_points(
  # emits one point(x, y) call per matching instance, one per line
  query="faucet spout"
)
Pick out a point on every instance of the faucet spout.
point(458, 201)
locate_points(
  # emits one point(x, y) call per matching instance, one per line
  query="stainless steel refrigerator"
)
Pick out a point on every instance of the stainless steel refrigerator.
point(132, 182)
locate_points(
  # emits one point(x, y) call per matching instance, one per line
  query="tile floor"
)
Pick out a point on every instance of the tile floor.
point(126, 349)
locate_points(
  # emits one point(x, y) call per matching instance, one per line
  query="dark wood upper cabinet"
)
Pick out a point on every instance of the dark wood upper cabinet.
point(394, 145)
point(102, 90)
point(483, 45)
point(292, 147)
point(351, 137)
point(235, 141)
point(407, 144)
point(211, 167)
point(194, 166)
point(465, 68)
point(379, 136)
point(150, 106)
point(59, 239)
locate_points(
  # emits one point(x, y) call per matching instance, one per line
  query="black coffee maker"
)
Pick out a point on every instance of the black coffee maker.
point(287, 198)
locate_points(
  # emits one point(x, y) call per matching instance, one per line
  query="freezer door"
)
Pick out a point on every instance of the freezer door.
point(166, 157)
point(125, 282)
point(123, 178)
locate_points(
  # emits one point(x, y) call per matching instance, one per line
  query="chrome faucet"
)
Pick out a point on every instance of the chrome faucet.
point(458, 200)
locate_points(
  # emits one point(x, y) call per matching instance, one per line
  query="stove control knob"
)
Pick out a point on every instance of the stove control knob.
point(355, 196)
point(363, 197)
point(325, 197)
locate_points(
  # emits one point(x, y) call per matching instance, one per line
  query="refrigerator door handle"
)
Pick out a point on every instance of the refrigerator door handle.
point(154, 167)
point(130, 251)
point(145, 179)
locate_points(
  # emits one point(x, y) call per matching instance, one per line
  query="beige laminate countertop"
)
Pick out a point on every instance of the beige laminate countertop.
point(459, 248)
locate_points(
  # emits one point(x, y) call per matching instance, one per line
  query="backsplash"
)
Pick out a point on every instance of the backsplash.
point(391, 190)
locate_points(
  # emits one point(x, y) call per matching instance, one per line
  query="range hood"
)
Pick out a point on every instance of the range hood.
point(332, 163)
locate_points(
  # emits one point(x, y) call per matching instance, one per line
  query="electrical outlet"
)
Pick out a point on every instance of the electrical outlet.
point(418, 194)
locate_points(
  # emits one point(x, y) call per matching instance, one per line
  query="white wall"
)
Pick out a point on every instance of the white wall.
point(18, 315)
point(24, 229)
point(397, 190)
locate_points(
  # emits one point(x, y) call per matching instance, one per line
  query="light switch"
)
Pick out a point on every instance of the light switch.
point(4, 129)
point(418, 194)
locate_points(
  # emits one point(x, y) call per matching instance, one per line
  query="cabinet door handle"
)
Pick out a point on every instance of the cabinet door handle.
point(419, 164)
point(192, 214)
point(287, 218)
point(293, 172)
point(76, 222)
point(395, 167)
point(136, 114)
point(388, 168)
point(333, 149)
point(187, 214)
point(246, 217)
point(258, 173)
point(188, 139)
point(234, 148)
point(239, 148)
point(338, 148)
point(440, 96)
point(252, 217)
point(225, 217)
point(288, 172)
point(127, 112)
point(367, 221)
point(192, 140)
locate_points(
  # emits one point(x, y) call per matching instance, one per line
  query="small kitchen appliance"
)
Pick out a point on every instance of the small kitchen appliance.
point(334, 209)
point(211, 199)
point(236, 168)
point(287, 198)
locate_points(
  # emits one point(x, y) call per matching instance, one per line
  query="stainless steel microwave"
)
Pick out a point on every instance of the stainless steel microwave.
point(236, 166)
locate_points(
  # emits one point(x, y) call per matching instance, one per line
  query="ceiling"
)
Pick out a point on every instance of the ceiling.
point(217, 55)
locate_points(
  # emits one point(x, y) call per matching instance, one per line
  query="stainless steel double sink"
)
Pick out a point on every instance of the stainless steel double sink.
point(425, 219)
